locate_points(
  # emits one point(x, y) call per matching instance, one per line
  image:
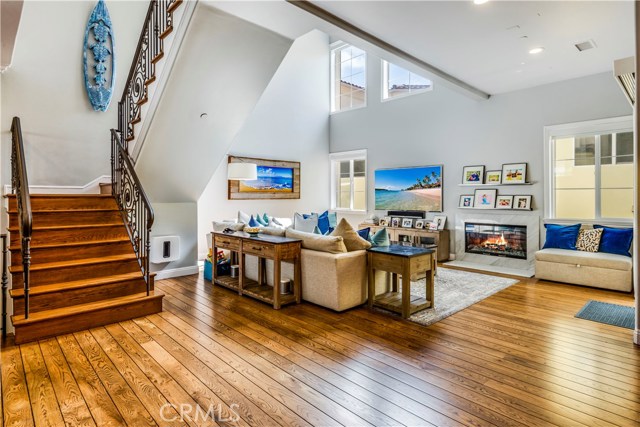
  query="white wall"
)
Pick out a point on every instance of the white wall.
point(66, 142)
point(290, 122)
point(177, 219)
point(445, 127)
point(223, 67)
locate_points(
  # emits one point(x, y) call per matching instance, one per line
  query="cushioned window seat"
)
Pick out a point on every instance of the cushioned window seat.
point(596, 269)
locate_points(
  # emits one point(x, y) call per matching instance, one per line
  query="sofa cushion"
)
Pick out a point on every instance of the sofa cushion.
point(253, 222)
point(305, 223)
point(591, 259)
point(589, 240)
point(615, 240)
point(352, 240)
point(260, 221)
point(222, 225)
point(364, 233)
point(243, 217)
point(318, 242)
point(272, 231)
point(380, 238)
point(561, 236)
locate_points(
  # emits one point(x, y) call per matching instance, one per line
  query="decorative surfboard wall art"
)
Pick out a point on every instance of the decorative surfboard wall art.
point(99, 58)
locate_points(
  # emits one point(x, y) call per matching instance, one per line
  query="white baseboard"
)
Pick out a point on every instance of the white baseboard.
point(176, 272)
point(92, 187)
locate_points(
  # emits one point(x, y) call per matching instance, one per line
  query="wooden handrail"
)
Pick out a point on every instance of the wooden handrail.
point(20, 186)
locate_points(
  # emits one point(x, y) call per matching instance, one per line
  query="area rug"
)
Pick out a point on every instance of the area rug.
point(456, 290)
point(611, 314)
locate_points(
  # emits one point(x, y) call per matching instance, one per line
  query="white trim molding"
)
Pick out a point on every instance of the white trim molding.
point(176, 272)
point(92, 187)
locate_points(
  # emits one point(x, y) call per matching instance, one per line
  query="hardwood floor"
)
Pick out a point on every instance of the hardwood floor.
point(518, 358)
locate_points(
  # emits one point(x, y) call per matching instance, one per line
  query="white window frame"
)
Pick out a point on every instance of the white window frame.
point(335, 159)
point(384, 89)
point(335, 47)
point(586, 128)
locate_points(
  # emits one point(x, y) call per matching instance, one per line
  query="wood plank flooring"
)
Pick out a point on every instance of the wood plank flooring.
point(518, 358)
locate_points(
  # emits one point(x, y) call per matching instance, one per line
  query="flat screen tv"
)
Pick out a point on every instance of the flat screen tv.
point(414, 188)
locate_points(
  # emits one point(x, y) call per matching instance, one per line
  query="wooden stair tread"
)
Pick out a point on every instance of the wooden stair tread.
point(57, 313)
point(57, 211)
point(69, 227)
point(72, 244)
point(76, 284)
point(73, 263)
point(73, 195)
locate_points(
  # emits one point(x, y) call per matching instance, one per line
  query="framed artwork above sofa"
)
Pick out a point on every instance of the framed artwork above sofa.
point(277, 179)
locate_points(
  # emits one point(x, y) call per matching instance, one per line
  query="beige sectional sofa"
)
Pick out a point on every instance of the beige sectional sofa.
point(596, 269)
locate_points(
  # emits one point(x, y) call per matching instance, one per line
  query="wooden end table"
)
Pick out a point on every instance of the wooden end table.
point(403, 260)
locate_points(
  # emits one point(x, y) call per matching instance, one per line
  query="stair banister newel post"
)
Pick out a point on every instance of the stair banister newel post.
point(20, 186)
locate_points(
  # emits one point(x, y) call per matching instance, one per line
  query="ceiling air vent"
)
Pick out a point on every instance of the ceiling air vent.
point(625, 72)
point(589, 44)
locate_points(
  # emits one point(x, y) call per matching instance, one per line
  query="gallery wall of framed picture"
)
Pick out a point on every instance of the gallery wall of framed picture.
point(490, 198)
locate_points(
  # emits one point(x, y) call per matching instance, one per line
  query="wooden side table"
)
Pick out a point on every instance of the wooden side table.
point(276, 248)
point(403, 260)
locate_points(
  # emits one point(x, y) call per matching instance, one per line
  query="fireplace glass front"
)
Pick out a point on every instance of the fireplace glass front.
point(496, 240)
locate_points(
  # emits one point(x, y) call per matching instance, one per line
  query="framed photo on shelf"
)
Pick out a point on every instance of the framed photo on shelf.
point(432, 226)
point(485, 199)
point(407, 223)
point(395, 222)
point(466, 201)
point(440, 221)
point(419, 223)
point(514, 173)
point(473, 174)
point(504, 202)
point(383, 222)
point(522, 202)
point(493, 177)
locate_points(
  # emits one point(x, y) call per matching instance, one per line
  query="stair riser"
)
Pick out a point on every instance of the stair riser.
point(80, 321)
point(62, 202)
point(43, 255)
point(85, 234)
point(78, 217)
point(68, 274)
point(66, 298)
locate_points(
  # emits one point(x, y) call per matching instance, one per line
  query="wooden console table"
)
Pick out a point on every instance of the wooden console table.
point(404, 260)
point(276, 248)
point(417, 236)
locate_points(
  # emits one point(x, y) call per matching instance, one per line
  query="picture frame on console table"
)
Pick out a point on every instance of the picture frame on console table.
point(485, 198)
point(407, 223)
point(419, 223)
point(277, 179)
point(514, 173)
point(522, 203)
point(440, 221)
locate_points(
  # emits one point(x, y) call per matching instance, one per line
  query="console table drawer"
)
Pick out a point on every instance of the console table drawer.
point(226, 242)
point(258, 248)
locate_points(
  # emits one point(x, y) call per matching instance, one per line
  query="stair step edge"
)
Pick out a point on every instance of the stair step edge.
point(69, 227)
point(73, 244)
point(74, 263)
point(18, 293)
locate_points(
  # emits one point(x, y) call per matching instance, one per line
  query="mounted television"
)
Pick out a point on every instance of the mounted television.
point(414, 188)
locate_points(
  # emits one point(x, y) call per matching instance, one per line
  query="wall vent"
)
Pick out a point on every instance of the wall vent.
point(624, 71)
point(589, 44)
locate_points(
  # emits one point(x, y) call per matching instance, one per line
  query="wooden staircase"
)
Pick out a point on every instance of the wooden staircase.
point(84, 272)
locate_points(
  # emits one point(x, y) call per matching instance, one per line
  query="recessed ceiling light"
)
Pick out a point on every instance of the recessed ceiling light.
point(536, 50)
point(480, 1)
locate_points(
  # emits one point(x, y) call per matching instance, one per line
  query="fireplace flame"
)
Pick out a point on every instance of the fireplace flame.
point(497, 242)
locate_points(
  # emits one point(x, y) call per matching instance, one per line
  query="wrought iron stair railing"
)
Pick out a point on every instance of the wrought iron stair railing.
point(133, 203)
point(20, 186)
point(158, 23)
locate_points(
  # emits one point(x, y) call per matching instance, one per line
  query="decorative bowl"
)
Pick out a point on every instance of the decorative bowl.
point(252, 231)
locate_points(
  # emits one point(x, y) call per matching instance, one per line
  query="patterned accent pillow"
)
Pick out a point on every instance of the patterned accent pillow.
point(589, 240)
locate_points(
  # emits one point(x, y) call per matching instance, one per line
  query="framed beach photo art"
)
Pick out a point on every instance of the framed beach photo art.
point(473, 174)
point(484, 199)
point(466, 201)
point(407, 223)
point(276, 179)
point(522, 202)
point(514, 173)
point(493, 177)
point(504, 202)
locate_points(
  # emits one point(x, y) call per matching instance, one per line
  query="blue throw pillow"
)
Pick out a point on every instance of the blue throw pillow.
point(381, 238)
point(316, 230)
point(323, 222)
point(253, 222)
point(561, 236)
point(259, 220)
point(265, 218)
point(364, 233)
point(615, 240)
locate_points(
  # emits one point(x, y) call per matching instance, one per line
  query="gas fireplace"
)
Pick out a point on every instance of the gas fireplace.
point(496, 240)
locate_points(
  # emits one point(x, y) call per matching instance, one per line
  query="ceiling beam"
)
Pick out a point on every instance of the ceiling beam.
point(350, 28)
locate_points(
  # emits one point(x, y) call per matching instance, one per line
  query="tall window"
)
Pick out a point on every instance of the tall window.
point(349, 180)
point(590, 170)
point(398, 82)
point(348, 78)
